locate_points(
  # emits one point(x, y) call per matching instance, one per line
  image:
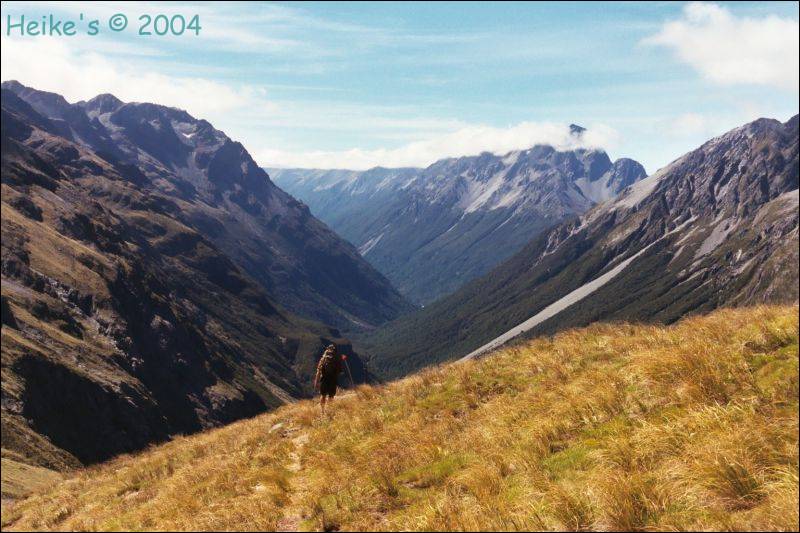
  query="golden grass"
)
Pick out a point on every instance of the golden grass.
point(610, 427)
point(55, 254)
point(20, 479)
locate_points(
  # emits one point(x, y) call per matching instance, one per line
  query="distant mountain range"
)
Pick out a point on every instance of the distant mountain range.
point(717, 227)
point(154, 280)
point(432, 230)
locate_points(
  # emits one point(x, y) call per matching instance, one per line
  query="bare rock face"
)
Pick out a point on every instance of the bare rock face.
point(216, 188)
point(432, 230)
point(717, 227)
point(129, 313)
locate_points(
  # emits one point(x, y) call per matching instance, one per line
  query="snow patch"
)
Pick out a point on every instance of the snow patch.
point(105, 120)
point(553, 309)
point(790, 199)
point(741, 268)
point(496, 192)
point(678, 253)
point(715, 238)
point(511, 158)
point(791, 196)
point(687, 236)
point(633, 195)
point(479, 194)
point(691, 277)
point(509, 198)
point(597, 191)
point(369, 245)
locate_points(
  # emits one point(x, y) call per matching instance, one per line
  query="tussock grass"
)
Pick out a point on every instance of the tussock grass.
point(610, 427)
point(19, 479)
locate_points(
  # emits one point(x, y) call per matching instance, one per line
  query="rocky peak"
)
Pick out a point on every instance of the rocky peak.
point(231, 200)
point(597, 163)
point(792, 124)
point(431, 230)
point(627, 172)
point(101, 104)
point(576, 130)
point(51, 105)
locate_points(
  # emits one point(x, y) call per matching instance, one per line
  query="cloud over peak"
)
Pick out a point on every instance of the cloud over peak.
point(469, 140)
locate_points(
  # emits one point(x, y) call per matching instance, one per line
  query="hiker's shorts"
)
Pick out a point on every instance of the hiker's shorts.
point(327, 387)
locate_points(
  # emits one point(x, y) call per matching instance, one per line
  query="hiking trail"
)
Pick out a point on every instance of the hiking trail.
point(293, 512)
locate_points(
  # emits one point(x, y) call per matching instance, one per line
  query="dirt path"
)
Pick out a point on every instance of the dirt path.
point(293, 514)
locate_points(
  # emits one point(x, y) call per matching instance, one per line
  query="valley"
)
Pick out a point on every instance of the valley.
point(151, 285)
point(156, 278)
point(717, 227)
point(400, 266)
point(431, 230)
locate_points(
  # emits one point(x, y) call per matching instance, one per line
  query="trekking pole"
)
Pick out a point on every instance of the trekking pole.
point(347, 366)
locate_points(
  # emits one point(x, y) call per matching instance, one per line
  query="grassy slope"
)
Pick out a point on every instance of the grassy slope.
point(20, 479)
point(607, 427)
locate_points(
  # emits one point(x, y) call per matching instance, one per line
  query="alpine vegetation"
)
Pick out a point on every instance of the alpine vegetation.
point(615, 426)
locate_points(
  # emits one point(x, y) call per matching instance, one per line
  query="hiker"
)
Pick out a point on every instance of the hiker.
point(325, 380)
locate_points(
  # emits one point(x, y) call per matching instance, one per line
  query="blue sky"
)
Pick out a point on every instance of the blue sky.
point(357, 85)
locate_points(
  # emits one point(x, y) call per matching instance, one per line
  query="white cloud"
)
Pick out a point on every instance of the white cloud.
point(470, 140)
point(222, 29)
point(696, 128)
point(686, 125)
point(139, 72)
point(49, 64)
point(727, 49)
point(246, 113)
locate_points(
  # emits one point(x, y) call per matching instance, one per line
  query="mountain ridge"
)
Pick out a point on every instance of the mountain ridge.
point(117, 295)
point(719, 226)
point(431, 230)
point(227, 196)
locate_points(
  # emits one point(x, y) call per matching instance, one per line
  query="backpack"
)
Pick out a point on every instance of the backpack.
point(329, 366)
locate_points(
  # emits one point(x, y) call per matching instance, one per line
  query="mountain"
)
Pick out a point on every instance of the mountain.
point(221, 193)
point(717, 227)
point(615, 427)
point(432, 230)
point(124, 321)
